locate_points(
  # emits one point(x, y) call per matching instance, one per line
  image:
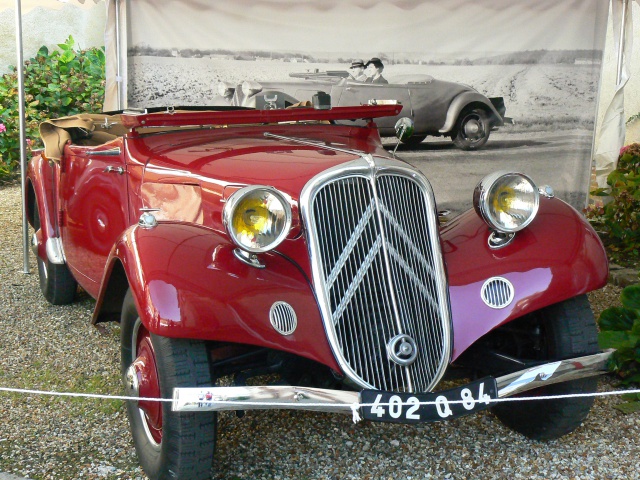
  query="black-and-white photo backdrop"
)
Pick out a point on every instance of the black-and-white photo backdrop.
point(542, 58)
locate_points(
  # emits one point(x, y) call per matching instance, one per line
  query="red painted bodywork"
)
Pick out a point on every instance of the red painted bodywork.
point(557, 257)
point(239, 117)
point(187, 282)
point(144, 366)
point(42, 179)
point(183, 274)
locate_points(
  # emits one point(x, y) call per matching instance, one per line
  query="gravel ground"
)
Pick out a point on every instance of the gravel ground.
point(56, 348)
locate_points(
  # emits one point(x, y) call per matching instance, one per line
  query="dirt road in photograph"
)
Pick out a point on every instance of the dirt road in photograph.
point(556, 158)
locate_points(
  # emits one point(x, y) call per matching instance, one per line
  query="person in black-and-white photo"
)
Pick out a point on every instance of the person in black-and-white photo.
point(375, 66)
point(356, 71)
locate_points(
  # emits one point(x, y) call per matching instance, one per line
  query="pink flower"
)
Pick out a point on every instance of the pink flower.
point(624, 149)
point(2, 128)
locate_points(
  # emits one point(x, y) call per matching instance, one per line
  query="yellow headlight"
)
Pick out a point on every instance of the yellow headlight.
point(257, 218)
point(508, 202)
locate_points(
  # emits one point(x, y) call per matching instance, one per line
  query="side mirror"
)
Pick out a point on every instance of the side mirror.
point(404, 129)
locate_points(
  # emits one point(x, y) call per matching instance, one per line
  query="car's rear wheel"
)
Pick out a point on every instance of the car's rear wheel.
point(170, 445)
point(472, 129)
point(563, 330)
point(414, 140)
point(56, 282)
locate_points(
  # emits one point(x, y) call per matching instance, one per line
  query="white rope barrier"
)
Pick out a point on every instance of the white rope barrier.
point(82, 395)
point(285, 405)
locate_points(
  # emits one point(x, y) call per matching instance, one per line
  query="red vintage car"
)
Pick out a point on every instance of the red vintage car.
point(298, 258)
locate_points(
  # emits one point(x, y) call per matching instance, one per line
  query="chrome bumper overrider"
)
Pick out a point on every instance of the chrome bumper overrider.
point(338, 401)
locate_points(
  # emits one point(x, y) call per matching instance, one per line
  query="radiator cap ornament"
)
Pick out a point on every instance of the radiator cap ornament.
point(402, 350)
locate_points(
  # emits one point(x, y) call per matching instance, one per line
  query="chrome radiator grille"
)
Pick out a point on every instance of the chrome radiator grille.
point(378, 271)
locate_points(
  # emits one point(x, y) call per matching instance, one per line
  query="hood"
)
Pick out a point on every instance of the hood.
point(244, 156)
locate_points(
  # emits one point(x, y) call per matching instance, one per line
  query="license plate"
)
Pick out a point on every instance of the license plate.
point(428, 407)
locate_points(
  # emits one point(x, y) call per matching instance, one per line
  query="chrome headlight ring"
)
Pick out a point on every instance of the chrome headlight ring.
point(257, 218)
point(506, 201)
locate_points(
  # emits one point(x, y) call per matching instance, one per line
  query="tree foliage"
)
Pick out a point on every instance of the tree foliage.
point(619, 220)
point(63, 82)
point(620, 329)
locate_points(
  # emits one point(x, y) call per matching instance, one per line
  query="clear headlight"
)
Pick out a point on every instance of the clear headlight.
point(257, 218)
point(507, 201)
point(225, 89)
point(250, 88)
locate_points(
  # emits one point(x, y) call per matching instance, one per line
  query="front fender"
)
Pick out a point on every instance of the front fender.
point(187, 283)
point(460, 102)
point(557, 257)
point(40, 193)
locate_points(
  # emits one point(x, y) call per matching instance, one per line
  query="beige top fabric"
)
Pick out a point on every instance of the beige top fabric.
point(84, 129)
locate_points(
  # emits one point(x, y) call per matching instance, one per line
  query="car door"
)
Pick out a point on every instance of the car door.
point(357, 93)
point(94, 208)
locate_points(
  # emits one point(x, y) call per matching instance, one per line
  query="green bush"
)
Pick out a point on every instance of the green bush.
point(620, 329)
point(58, 83)
point(619, 220)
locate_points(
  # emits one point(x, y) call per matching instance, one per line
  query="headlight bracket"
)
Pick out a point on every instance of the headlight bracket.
point(250, 259)
point(500, 239)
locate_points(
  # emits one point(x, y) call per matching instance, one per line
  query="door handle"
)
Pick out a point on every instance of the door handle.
point(118, 170)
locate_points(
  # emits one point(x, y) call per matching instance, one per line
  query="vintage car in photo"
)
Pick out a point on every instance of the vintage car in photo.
point(438, 108)
point(282, 259)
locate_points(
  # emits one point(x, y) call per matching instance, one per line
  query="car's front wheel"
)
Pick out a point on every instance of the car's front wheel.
point(563, 330)
point(472, 129)
point(170, 445)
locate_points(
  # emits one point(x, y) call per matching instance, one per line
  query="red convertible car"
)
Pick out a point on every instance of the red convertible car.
point(296, 258)
point(438, 108)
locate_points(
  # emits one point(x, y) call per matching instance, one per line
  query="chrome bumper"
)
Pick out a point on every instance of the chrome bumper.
point(338, 401)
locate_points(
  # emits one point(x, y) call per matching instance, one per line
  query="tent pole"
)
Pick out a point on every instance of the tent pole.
point(119, 60)
point(625, 6)
point(23, 136)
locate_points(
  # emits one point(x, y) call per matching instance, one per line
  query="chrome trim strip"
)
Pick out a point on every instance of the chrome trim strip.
point(112, 152)
point(351, 243)
point(34, 244)
point(555, 372)
point(55, 252)
point(263, 398)
point(340, 401)
point(314, 144)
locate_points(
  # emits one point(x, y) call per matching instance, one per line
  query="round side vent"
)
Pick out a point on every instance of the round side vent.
point(283, 318)
point(497, 292)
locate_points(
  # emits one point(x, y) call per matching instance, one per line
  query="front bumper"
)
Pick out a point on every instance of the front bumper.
point(338, 401)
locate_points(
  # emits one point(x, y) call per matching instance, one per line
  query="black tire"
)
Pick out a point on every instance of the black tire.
point(56, 282)
point(568, 330)
point(472, 129)
point(184, 445)
point(414, 140)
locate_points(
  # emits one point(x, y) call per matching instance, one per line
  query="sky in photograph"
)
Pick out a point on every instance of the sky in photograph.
point(444, 26)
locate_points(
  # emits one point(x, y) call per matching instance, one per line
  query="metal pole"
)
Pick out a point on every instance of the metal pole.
point(625, 6)
point(23, 136)
point(118, 57)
